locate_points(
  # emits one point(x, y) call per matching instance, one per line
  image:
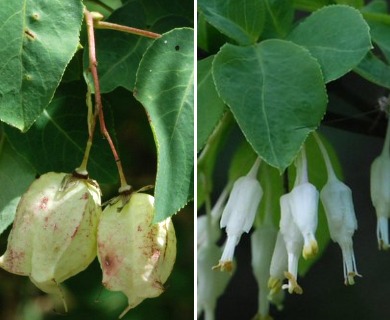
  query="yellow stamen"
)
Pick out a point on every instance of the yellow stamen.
point(293, 284)
point(224, 266)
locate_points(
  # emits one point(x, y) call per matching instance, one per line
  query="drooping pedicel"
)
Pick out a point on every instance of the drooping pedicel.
point(54, 232)
point(136, 256)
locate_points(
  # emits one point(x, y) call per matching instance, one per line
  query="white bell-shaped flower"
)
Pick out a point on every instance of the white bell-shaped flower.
point(294, 242)
point(380, 191)
point(239, 213)
point(336, 198)
point(303, 201)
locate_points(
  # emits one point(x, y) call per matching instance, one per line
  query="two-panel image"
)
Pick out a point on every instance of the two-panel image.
point(209, 159)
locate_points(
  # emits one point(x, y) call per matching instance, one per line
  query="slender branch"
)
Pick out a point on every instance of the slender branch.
point(82, 169)
point(98, 100)
point(113, 26)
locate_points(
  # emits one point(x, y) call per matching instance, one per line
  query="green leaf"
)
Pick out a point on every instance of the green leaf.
point(38, 40)
point(209, 38)
point(57, 140)
point(276, 92)
point(120, 53)
point(279, 15)
point(210, 106)
point(379, 28)
point(375, 70)
point(242, 21)
point(15, 176)
point(327, 34)
point(164, 86)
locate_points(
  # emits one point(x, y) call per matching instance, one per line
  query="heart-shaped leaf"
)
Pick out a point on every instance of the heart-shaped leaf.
point(38, 40)
point(339, 46)
point(165, 87)
point(276, 92)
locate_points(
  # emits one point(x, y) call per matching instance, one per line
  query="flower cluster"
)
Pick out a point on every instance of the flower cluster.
point(298, 223)
point(276, 253)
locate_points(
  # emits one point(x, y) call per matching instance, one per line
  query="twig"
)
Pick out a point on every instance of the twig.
point(82, 169)
point(98, 101)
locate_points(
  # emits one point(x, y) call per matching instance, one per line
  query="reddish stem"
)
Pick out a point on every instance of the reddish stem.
point(98, 100)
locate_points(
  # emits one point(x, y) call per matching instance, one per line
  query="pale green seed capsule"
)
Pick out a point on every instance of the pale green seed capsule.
point(136, 256)
point(54, 232)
